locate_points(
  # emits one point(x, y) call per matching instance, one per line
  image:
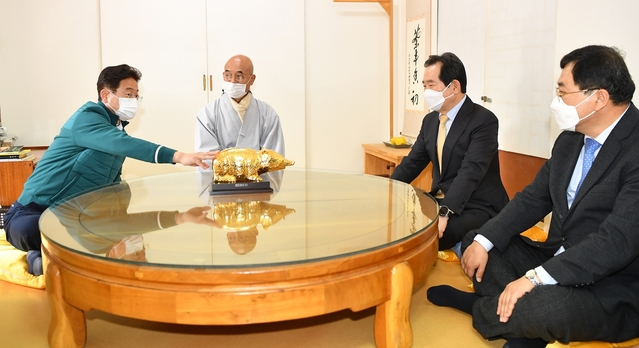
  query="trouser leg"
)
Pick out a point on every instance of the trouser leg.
point(549, 312)
point(553, 313)
point(503, 268)
point(21, 226)
point(459, 225)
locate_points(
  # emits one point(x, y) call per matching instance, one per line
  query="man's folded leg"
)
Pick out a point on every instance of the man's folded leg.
point(447, 296)
point(552, 313)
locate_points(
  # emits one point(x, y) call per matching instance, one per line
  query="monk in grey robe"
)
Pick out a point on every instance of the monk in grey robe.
point(237, 119)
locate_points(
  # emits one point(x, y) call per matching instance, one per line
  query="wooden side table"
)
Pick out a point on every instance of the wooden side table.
point(13, 175)
point(381, 160)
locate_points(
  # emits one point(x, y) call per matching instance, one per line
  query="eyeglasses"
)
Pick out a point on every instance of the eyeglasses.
point(560, 94)
point(129, 95)
point(137, 97)
point(238, 77)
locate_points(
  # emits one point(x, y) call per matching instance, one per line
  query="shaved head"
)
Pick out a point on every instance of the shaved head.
point(239, 63)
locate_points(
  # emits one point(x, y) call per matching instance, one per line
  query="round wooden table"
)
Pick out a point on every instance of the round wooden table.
point(322, 242)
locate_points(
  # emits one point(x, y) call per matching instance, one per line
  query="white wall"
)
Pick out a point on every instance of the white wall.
point(346, 68)
point(467, 40)
point(344, 76)
point(347, 83)
point(507, 48)
point(198, 42)
point(520, 42)
point(48, 66)
point(591, 22)
point(523, 43)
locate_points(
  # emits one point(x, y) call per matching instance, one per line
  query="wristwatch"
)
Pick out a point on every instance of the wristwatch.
point(532, 276)
point(444, 211)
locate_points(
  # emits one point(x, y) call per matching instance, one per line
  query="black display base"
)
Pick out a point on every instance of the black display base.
point(240, 188)
point(242, 197)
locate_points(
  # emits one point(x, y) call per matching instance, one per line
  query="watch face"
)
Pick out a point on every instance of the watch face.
point(443, 210)
point(532, 276)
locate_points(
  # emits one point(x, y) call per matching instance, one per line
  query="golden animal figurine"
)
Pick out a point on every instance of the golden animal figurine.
point(242, 215)
point(242, 165)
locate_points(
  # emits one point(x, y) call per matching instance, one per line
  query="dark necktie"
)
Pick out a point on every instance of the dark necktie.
point(589, 156)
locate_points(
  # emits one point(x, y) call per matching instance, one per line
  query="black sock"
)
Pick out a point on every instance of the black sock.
point(447, 296)
point(525, 343)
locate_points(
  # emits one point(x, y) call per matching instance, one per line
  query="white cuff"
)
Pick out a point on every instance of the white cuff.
point(488, 245)
point(545, 278)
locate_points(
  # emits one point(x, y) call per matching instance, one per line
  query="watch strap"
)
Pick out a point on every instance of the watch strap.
point(532, 276)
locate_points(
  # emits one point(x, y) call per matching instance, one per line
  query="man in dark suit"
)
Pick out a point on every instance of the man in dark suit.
point(582, 283)
point(466, 180)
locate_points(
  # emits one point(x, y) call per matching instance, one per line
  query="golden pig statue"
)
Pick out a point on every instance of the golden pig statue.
point(242, 215)
point(242, 165)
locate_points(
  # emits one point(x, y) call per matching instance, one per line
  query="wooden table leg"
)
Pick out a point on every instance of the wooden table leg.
point(68, 327)
point(392, 318)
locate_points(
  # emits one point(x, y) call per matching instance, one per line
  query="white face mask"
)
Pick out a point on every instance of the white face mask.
point(128, 108)
point(234, 90)
point(133, 244)
point(435, 99)
point(565, 115)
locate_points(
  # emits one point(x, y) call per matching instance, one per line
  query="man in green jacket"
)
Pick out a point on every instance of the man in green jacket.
point(88, 153)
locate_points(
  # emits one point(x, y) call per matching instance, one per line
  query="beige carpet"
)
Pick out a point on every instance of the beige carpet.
point(26, 315)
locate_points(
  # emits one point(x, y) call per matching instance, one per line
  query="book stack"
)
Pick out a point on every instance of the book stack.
point(3, 210)
point(14, 153)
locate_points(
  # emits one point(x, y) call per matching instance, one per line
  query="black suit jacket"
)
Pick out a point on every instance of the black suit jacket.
point(470, 177)
point(600, 231)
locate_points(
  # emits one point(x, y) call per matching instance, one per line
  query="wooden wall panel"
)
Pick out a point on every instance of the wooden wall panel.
point(518, 170)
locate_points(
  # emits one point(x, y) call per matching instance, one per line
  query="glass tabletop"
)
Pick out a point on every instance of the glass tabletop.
point(172, 220)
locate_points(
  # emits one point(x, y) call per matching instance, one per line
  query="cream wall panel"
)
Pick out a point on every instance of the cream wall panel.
point(50, 56)
point(520, 46)
point(324, 69)
point(166, 41)
point(271, 33)
point(467, 40)
point(178, 43)
point(507, 48)
point(347, 82)
point(587, 22)
point(524, 43)
point(49, 63)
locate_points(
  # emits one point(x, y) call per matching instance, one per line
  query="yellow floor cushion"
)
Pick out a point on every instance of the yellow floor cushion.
point(535, 233)
point(633, 343)
point(13, 266)
point(447, 255)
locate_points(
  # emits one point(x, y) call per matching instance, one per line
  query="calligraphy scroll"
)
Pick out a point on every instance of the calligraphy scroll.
point(416, 33)
point(417, 51)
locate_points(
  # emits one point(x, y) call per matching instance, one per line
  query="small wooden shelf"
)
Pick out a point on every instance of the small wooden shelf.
point(13, 175)
point(381, 160)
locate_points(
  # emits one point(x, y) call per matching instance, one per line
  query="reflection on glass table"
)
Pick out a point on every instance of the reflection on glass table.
point(310, 215)
point(100, 222)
